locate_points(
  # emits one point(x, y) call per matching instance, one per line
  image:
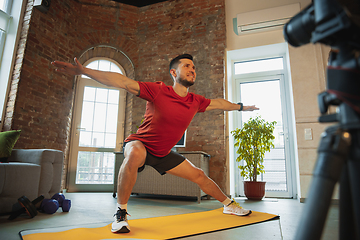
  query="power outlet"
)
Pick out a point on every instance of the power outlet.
point(308, 134)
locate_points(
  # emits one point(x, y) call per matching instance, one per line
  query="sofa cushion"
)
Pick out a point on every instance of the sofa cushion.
point(16, 180)
point(51, 162)
point(7, 143)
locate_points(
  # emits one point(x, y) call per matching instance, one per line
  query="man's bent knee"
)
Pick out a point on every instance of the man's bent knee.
point(135, 154)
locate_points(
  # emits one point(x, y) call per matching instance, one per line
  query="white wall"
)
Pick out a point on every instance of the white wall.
point(307, 67)
point(233, 7)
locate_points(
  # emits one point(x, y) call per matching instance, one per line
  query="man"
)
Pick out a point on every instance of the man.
point(169, 111)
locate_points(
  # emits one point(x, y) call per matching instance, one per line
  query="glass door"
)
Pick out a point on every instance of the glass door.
point(265, 93)
point(262, 83)
point(97, 132)
point(261, 76)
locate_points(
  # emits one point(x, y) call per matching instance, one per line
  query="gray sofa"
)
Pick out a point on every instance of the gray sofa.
point(29, 172)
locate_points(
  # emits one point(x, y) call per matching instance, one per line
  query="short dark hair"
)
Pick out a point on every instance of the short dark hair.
point(175, 61)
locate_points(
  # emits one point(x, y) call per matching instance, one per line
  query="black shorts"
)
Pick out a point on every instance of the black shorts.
point(161, 164)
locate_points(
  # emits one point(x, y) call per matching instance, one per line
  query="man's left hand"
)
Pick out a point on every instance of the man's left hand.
point(250, 108)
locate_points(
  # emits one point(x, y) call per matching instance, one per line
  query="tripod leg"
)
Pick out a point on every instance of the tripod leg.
point(332, 153)
point(350, 198)
point(346, 230)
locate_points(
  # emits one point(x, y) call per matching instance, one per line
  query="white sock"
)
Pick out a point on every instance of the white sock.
point(226, 202)
point(121, 206)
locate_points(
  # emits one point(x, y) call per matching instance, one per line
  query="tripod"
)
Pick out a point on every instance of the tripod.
point(335, 23)
point(338, 153)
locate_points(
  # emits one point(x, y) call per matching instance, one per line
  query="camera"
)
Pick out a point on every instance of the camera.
point(334, 23)
point(325, 21)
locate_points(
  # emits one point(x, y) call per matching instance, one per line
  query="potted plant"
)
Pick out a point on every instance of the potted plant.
point(252, 141)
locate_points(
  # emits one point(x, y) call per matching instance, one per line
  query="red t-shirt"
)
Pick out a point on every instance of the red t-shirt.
point(167, 116)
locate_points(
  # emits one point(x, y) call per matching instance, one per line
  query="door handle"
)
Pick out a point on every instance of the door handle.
point(79, 129)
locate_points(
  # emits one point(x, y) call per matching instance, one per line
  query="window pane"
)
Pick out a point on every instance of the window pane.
point(104, 65)
point(259, 65)
point(110, 140)
point(95, 168)
point(101, 95)
point(266, 96)
point(85, 139)
point(3, 4)
point(115, 68)
point(99, 117)
point(89, 94)
point(94, 65)
point(98, 139)
point(113, 96)
point(4, 21)
point(111, 118)
point(87, 116)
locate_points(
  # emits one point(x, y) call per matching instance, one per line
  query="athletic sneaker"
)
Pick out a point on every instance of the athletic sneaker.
point(234, 208)
point(120, 225)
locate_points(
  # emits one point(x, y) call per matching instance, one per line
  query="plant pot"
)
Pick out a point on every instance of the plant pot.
point(254, 190)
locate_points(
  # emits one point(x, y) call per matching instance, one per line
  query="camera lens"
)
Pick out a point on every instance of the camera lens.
point(298, 30)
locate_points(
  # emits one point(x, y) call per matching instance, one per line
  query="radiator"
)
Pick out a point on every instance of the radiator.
point(150, 181)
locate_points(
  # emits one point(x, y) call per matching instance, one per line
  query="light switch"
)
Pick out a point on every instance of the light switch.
point(308, 134)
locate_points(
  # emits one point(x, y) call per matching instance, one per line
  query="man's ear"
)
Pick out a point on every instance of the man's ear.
point(173, 72)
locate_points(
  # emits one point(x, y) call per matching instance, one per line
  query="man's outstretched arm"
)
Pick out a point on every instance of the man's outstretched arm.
point(225, 105)
point(111, 79)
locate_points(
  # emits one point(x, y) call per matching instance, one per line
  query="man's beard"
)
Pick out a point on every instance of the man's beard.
point(185, 82)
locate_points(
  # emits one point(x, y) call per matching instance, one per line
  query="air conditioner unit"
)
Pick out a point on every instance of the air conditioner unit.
point(264, 20)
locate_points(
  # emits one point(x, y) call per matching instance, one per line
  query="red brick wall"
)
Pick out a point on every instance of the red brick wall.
point(42, 100)
point(196, 27)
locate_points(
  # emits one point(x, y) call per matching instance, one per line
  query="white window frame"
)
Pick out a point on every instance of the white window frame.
point(261, 52)
point(16, 10)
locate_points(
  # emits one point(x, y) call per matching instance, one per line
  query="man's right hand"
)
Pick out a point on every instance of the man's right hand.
point(72, 69)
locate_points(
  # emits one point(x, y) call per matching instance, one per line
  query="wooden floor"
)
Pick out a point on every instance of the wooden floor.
point(90, 208)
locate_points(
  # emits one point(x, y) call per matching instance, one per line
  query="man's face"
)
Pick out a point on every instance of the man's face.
point(185, 73)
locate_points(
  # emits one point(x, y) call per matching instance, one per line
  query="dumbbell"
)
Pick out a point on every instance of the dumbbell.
point(64, 203)
point(27, 206)
point(59, 197)
point(50, 206)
